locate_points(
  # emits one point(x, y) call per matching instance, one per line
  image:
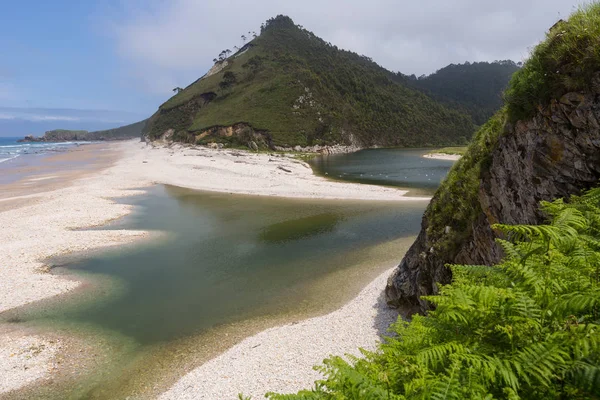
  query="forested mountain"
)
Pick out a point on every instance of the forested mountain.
point(288, 87)
point(476, 88)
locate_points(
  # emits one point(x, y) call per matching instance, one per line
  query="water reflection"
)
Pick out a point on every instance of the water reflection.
point(228, 258)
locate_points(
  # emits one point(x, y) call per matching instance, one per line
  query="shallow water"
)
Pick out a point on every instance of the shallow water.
point(232, 257)
point(225, 259)
point(404, 168)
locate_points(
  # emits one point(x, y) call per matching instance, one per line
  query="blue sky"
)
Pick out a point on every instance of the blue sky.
point(59, 54)
point(127, 55)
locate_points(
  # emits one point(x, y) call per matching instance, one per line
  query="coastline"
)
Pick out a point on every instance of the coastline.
point(245, 172)
point(41, 211)
point(280, 359)
point(443, 156)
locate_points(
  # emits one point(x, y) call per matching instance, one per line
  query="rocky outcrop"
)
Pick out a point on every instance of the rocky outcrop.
point(552, 155)
point(130, 131)
point(57, 135)
point(334, 149)
point(240, 133)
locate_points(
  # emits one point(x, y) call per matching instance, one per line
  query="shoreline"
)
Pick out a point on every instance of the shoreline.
point(443, 156)
point(280, 359)
point(32, 234)
point(261, 174)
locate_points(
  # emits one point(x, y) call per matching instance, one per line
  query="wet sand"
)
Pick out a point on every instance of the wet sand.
point(23, 179)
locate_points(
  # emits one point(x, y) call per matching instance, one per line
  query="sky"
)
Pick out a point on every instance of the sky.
point(97, 64)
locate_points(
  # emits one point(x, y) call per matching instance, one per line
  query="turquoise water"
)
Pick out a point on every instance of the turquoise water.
point(231, 257)
point(404, 168)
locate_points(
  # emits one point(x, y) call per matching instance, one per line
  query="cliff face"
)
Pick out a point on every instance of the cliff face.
point(552, 155)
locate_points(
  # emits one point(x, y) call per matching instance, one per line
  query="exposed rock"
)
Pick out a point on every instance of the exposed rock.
point(242, 133)
point(215, 69)
point(553, 155)
point(208, 97)
point(167, 135)
point(335, 149)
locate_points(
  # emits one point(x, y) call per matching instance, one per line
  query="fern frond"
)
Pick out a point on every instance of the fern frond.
point(437, 355)
point(447, 387)
point(577, 303)
point(541, 361)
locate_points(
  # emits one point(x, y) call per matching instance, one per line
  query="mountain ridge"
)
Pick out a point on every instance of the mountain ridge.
point(130, 131)
point(289, 87)
point(476, 88)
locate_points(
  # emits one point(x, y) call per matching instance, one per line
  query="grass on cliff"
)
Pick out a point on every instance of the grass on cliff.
point(526, 328)
point(305, 91)
point(456, 202)
point(566, 61)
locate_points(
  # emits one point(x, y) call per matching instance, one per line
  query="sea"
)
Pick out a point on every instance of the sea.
point(11, 149)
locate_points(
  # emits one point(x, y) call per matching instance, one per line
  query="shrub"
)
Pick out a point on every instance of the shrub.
point(525, 328)
point(566, 61)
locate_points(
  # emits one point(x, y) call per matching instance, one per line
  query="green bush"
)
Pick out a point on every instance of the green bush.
point(566, 61)
point(525, 328)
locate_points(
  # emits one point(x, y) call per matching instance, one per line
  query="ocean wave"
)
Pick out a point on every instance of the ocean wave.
point(8, 159)
point(34, 148)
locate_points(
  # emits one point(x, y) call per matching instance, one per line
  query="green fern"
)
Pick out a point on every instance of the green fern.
point(527, 328)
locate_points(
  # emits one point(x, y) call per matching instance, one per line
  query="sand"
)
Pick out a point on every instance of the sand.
point(442, 156)
point(24, 359)
point(280, 359)
point(38, 214)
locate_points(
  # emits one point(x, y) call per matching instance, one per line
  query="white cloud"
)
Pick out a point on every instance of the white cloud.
point(171, 43)
point(35, 117)
point(51, 118)
point(66, 115)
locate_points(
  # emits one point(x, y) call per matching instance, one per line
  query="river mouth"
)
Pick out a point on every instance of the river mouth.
point(401, 168)
point(225, 267)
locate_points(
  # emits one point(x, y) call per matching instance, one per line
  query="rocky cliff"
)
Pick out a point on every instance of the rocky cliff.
point(552, 155)
point(544, 144)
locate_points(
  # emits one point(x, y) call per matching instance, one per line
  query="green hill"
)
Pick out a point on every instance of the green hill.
point(476, 88)
point(130, 131)
point(288, 87)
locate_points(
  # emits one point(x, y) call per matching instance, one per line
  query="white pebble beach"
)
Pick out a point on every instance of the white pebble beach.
point(38, 214)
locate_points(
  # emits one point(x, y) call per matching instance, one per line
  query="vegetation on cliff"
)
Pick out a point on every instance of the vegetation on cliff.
point(565, 62)
point(475, 88)
point(456, 202)
point(527, 328)
point(529, 325)
point(569, 50)
point(296, 89)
